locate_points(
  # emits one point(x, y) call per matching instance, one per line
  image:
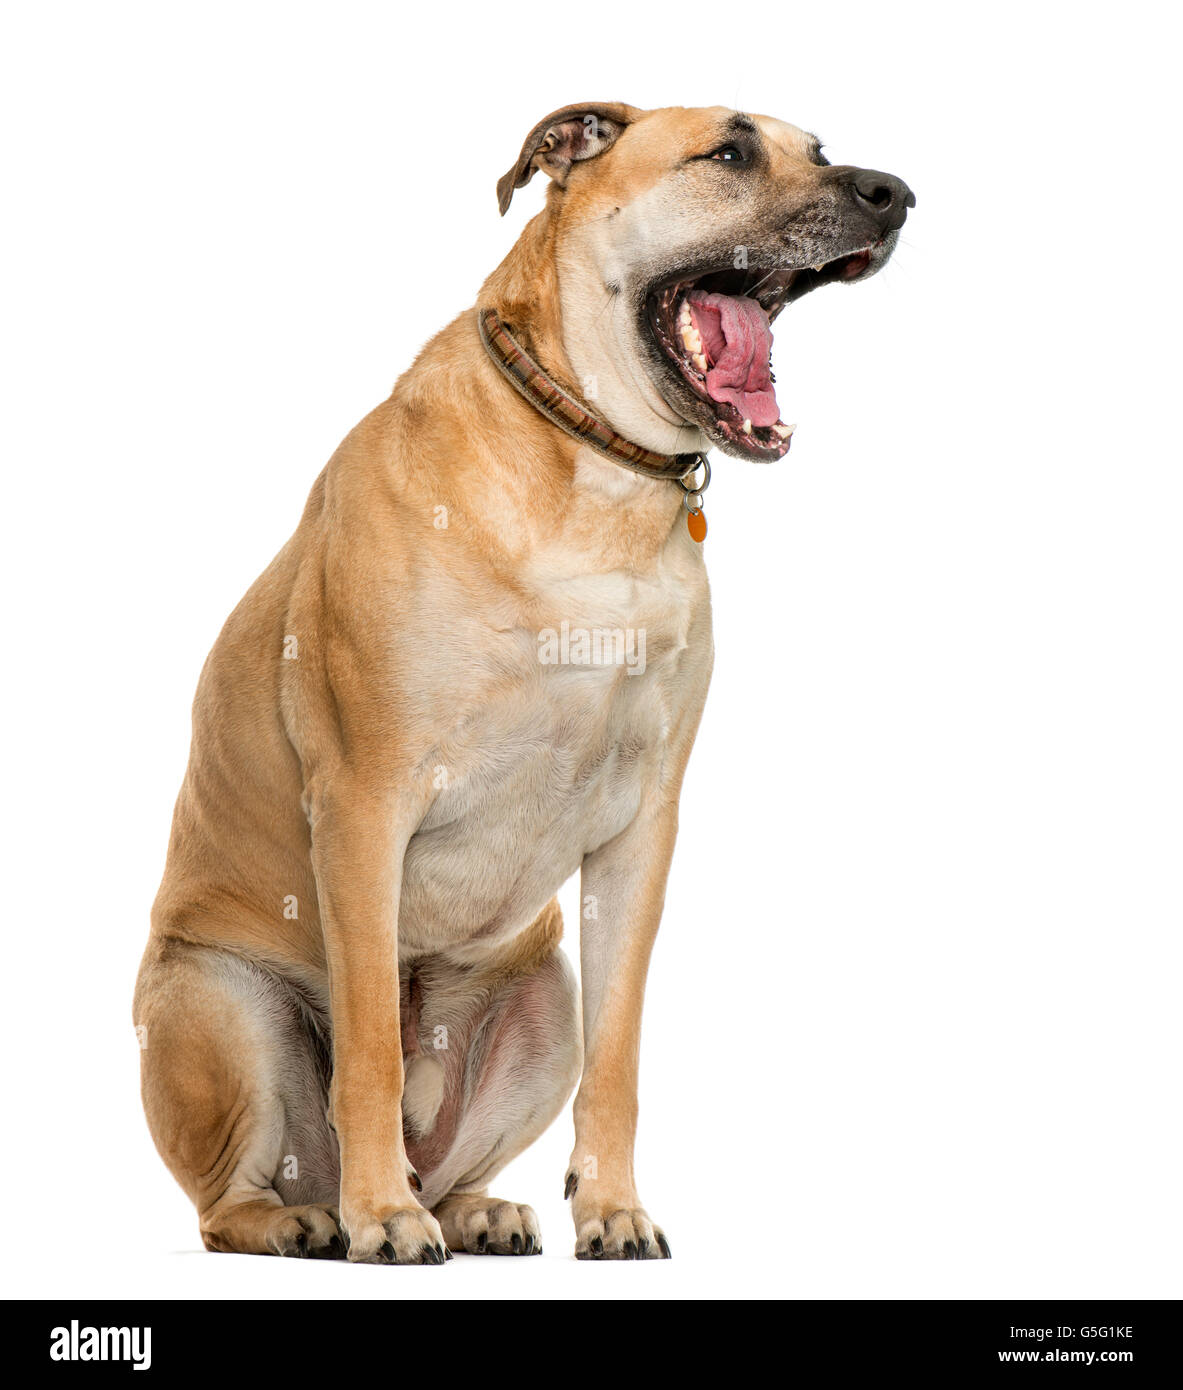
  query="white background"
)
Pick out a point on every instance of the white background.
point(913, 1025)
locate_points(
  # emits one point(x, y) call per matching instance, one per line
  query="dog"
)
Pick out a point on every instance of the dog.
point(477, 667)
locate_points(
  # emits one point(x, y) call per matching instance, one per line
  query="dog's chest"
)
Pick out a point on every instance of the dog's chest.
point(558, 729)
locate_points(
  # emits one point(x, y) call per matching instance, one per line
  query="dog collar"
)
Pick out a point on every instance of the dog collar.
point(549, 399)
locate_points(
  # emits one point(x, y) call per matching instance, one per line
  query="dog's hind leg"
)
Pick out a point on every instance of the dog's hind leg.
point(508, 1071)
point(234, 1082)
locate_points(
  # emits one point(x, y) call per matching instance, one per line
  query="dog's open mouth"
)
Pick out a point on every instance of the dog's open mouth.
point(716, 329)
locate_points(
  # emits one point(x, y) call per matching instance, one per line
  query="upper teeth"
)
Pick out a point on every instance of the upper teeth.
point(784, 430)
point(690, 339)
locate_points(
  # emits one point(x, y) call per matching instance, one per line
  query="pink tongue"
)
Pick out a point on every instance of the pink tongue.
point(737, 339)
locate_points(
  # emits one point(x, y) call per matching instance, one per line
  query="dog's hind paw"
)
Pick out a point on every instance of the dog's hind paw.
point(300, 1232)
point(486, 1226)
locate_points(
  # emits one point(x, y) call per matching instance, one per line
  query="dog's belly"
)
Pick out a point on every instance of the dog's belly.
point(530, 783)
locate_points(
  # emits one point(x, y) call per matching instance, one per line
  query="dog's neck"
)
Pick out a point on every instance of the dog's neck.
point(559, 319)
point(524, 290)
point(568, 414)
point(518, 484)
point(511, 483)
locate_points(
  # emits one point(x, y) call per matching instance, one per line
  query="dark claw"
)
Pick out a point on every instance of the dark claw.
point(447, 1254)
point(386, 1250)
point(302, 1246)
point(630, 1249)
point(334, 1250)
point(664, 1246)
point(416, 1181)
point(429, 1255)
point(516, 1243)
point(482, 1242)
point(643, 1250)
point(569, 1186)
point(529, 1245)
point(596, 1246)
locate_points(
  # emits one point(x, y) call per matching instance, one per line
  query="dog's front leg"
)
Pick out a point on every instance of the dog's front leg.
point(622, 892)
point(358, 843)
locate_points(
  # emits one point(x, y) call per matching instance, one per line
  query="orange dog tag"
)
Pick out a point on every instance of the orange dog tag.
point(696, 524)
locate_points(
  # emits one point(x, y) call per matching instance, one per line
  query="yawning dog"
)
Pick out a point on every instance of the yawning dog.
point(477, 667)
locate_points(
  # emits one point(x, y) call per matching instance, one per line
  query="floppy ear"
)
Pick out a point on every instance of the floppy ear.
point(562, 139)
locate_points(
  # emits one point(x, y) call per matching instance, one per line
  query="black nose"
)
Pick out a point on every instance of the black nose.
point(882, 197)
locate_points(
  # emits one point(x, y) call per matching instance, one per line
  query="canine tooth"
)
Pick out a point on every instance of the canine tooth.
point(747, 427)
point(700, 361)
point(784, 430)
point(821, 265)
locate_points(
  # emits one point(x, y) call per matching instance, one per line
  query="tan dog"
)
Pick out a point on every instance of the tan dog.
point(353, 1008)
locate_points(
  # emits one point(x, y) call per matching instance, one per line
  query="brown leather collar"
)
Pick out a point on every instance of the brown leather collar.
point(546, 396)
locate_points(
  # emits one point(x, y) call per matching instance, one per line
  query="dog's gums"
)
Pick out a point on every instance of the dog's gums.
point(715, 328)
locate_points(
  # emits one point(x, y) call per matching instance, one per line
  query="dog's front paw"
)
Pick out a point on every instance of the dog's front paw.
point(626, 1234)
point(612, 1230)
point(404, 1236)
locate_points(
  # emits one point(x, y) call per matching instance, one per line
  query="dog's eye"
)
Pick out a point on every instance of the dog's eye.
point(728, 154)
